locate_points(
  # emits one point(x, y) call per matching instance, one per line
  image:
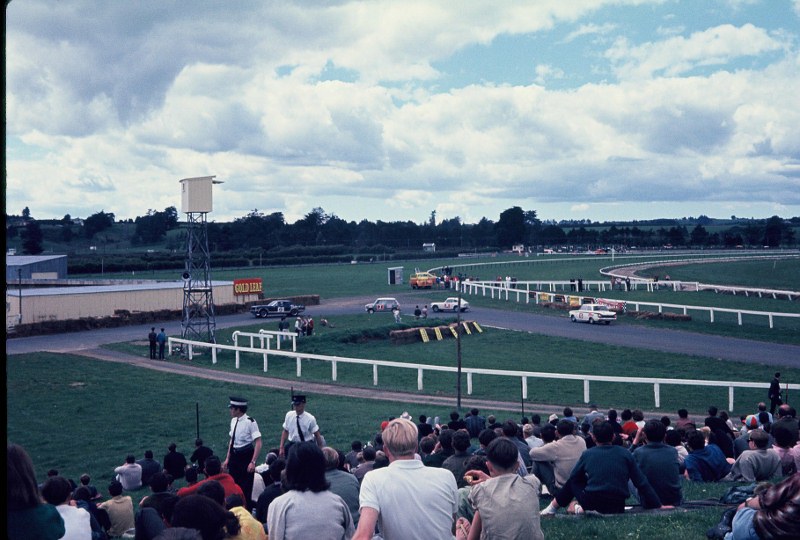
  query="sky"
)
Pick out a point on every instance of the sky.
point(393, 110)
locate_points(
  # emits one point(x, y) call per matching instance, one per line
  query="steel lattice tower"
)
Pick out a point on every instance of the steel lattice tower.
point(199, 322)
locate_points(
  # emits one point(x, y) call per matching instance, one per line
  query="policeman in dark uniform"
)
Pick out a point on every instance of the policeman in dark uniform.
point(244, 447)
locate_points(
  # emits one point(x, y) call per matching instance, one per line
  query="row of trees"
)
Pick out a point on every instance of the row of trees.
point(318, 229)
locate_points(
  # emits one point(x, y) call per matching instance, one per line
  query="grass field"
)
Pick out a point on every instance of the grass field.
point(79, 415)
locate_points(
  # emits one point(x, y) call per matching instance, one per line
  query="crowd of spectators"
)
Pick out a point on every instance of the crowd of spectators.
point(471, 477)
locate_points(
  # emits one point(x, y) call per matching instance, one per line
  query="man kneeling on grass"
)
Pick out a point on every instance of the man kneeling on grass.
point(505, 504)
point(599, 480)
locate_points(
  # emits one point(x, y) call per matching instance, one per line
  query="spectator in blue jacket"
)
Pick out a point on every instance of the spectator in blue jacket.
point(705, 462)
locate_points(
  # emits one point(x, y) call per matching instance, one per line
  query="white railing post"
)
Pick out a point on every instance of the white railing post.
point(730, 398)
point(770, 320)
point(419, 379)
point(299, 368)
point(213, 355)
point(469, 383)
point(266, 363)
point(586, 397)
point(191, 351)
point(524, 388)
point(657, 393)
point(374, 374)
point(711, 313)
point(334, 372)
point(739, 317)
point(237, 358)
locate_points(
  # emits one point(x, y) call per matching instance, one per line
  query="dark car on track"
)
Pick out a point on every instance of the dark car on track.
point(277, 308)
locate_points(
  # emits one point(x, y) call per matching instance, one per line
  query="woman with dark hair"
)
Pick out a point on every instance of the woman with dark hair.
point(27, 516)
point(204, 514)
point(774, 514)
point(308, 509)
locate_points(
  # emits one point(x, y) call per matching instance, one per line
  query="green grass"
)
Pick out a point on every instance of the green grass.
point(768, 274)
point(367, 337)
point(80, 415)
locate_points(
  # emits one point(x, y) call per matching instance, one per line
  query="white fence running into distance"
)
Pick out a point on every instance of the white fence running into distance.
point(267, 336)
point(503, 290)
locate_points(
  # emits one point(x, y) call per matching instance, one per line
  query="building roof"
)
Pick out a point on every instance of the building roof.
point(22, 260)
point(121, 287)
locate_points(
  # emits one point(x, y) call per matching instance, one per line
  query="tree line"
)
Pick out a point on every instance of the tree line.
point(323, 233)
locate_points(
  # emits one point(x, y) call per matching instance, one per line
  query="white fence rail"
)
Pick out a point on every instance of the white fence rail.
point(470, 372)
point(527, 290)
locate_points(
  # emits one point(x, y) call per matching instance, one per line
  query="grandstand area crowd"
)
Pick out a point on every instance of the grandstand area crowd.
point(467, 477)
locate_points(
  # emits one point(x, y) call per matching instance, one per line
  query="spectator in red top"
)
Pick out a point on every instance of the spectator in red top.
point(214, 472)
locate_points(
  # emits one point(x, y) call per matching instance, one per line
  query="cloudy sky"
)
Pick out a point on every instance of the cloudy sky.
point(390, 110)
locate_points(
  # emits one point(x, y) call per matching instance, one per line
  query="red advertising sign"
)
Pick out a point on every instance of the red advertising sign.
point(247, 286)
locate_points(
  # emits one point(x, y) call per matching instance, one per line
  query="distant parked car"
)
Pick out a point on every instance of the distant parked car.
point(451, 304)
point(277, 308)
point(382, 304)
point(593, 313)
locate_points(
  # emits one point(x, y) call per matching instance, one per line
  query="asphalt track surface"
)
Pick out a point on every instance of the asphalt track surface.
point(640, 337)
point(89, 343)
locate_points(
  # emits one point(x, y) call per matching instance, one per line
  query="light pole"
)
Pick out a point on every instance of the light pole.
point(19, 280)
point(458, 348)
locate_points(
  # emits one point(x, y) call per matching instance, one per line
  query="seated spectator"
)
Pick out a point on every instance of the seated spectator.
point(119, 508)
point(206, 515)
point(553, 462)
point(309, 509)
point(368, 456)
point(787, 418)
point(774, 513)
point(684, 421)
point(342, 483)
point(742, 442)
point(86, 481)
point(659, 463)
point(28, 517)
point(424, 427)
point(200, 455)
point(351, 458)
point(249, 527)
point(160, 495)
point(784, 449)
point(704, 462)
point(762, 408)
point(174, 462)
point(599, 480)
point(505, 504)
point(77, 521)
point(569, 415)
point(272, 490)
point(100, 521)
point(456, 422)
point(756, 464)
point(629, 427)
point(214, 472)
point(191, 475)
point(512, 432)
point(455, 463)
point(442, 450)
point(465, 510)
point(475, 423)
point(491, 422)
point(426, 446)
point(592, 415)
point(673, 439)
point(530, 439)
point(149, 467)
point(612, 419)
point(129, 474)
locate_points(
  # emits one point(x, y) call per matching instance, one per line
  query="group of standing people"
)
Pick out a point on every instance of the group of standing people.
point(157, 343)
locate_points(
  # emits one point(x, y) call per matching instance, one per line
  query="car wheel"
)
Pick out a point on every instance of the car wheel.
point(436, 309)
point(293, 313)
point(370, 311)
point(591, 320)
point(262, 313)
point(455, 309)
point(572, 318)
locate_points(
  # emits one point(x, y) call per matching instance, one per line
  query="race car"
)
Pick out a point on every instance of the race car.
point(593, 313)
point(277, 308)
point(382, 304)
point(451, 304)
point(422, 280)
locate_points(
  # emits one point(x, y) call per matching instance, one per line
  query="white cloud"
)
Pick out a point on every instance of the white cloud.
point(678, 55)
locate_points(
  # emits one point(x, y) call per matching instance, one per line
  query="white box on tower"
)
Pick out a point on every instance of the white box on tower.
point(196, 194)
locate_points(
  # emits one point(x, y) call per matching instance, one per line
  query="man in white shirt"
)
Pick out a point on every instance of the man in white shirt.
point(129, 474)
point(299, 426)
point(406, 500)
point(77, 521)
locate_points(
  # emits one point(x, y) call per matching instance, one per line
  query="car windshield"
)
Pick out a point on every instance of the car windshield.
point(274, 303)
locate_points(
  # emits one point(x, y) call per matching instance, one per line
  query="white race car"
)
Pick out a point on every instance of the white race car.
point(593, 313)
point(451, 304)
